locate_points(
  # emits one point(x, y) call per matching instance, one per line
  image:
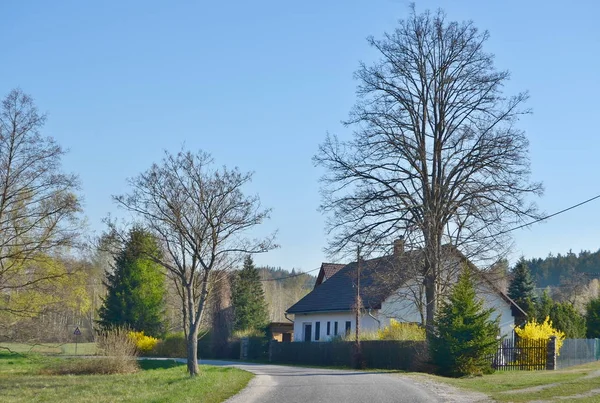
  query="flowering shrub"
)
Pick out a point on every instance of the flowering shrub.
point(143, 343)
point(532, 357)
point(401, 331)
point(540, 331)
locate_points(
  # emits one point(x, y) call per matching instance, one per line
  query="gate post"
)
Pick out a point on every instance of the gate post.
point(551, 354)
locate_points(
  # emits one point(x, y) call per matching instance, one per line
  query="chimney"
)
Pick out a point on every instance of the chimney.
point(399, 246)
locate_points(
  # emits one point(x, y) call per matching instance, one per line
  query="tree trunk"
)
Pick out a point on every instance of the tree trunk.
point(432, 270)
point(192, 353)
point(430, 302)
point(192, 332)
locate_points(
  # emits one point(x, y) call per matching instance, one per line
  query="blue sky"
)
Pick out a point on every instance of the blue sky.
point(258, 84)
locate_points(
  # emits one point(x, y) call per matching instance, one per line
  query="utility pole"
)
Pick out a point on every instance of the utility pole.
point(358, 301)
point(358, 306)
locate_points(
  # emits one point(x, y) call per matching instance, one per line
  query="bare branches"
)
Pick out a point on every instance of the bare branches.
point(38, 204)
point(201, 216)
point(435, 155)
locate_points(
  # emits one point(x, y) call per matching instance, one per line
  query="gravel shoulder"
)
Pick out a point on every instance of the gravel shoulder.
point(448, 393)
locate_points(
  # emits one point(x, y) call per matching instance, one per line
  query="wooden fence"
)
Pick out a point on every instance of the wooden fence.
point(384, 354)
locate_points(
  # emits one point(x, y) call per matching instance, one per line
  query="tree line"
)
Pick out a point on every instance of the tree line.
point(561, 270)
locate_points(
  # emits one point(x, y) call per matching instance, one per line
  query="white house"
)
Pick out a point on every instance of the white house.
point(390, 288)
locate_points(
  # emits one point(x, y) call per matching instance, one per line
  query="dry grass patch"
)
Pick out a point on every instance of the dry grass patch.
point(118, 356)
point(91, 366)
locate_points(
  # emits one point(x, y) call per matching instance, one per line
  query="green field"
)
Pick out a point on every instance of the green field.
point(50, 348)
point(579, 384)
point(157, 381)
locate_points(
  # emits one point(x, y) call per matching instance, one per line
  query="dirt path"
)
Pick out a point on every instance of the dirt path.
point(533, 389)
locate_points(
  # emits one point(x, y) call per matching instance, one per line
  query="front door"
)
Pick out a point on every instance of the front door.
point(307, 331)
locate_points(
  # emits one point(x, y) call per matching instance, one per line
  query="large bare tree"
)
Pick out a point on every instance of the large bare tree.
point(38, 202)
point(201, 216)
point(435, 156)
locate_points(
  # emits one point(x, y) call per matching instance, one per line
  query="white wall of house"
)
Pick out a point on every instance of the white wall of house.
point(301, 320)
point(502, 310)
point(398, 307)
point(401, 306)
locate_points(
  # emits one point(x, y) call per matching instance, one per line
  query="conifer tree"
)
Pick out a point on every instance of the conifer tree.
point(544, 307)
point(465, 334)
point(565, 318)
point(593, 319)
point(521, 288)
point(248, 298)
point(136, 288)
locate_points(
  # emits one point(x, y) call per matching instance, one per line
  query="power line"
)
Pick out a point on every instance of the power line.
point(489, 236)
point(544, 218)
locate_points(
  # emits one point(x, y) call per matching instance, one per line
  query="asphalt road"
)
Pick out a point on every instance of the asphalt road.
point(277, 383)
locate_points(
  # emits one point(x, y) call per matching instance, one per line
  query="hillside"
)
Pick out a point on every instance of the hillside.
point(284, 288)
point(556, 270)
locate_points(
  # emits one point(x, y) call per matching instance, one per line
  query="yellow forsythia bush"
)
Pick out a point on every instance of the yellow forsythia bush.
point(537, 331)
point(541, 331)
point(143, 343)
point(401, 331)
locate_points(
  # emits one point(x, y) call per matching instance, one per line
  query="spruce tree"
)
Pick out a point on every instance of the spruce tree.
point(544, 307)
point(465, 335)
point(248, 298)
point(565, 318)
point(522, 288)
point(592, 318)
point(136, 288)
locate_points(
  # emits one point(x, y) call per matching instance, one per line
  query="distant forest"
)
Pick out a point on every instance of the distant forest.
point(558, 270)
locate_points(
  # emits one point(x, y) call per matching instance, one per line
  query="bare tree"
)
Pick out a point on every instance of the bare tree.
point(38, 204)
point(435, 155)
point(200, 215)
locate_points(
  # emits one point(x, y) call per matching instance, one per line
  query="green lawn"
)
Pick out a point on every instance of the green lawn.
point(158, 381)
point(514, 386)
point(51, 348)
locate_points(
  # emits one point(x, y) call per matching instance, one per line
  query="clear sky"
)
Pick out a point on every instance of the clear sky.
point(258, 84)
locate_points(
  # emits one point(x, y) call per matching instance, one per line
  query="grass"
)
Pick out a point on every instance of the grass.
point(501, 386)
point(21, 380)
point(50, 348)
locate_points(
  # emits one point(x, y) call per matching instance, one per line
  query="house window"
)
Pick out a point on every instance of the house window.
point(328, 328)
point(317, 330)
point(335, 328)
point(348, 327)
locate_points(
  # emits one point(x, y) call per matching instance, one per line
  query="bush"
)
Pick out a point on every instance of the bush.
point(401, 331)
point(238, 334)
point(144, 344)
point(117, 356)
point(537, 331)
point(119, 349)
point(173, 345)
